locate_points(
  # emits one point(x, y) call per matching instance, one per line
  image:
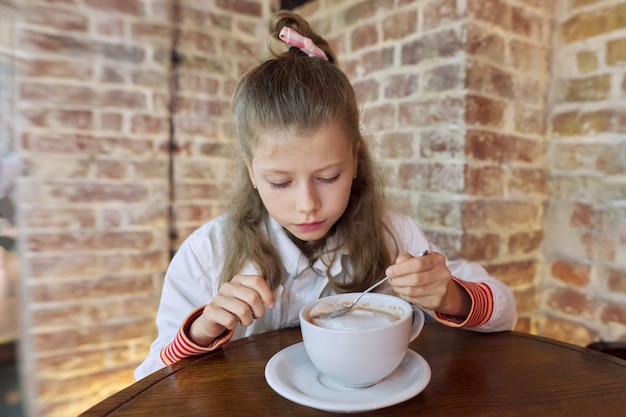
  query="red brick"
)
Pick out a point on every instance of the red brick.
point(149, 124)
point(377, 60)
point(447, 241)
point(111, 121)
point(615, 55)
point(440, 13)
point(129, 7)
point(483, 111)
point(581, 215)
point(252, 8)
point(496, 12)
point(439, 177)
point(444, 143)
point(426, 113)
point(78, 241)
point(592, 23)
point(587, 61)
point(613, 313)
point(58, 118)
point(529, 120)
point(396, 145)
point(484, 44)
point(570, 301)
point(66, 266)
point(401, 85)
point(379, 118)
point(142, 31)
point(446, 43)
point(480, 247)
point(67, 143)
point(487, 79)
point(94, 288)
point(186, 192)
point(530, 89)
point(528, 181)
point(367, 90)
point(524, 324)
point(439, 213)
point(530, 24)
point(495, 214)
point(56, 68)
point(443, 78)
point(529, 57)
point(55, 17)
point(488, 146)
point(400, 25)
point(571, 272)
point(526, 301)
point(617, 280)
point(484, 181)
point(134, 100)
point(53, 218)
point(515, 274)
point(46, 95)
point(113, 169)
point(591, 88)
point(567, 331)
point(198, 83)
point(525, 242)
point(59, 44)
point(149, 78)
point(113, 75)
point(363, 10)
point(363, 36)
point(198, 41)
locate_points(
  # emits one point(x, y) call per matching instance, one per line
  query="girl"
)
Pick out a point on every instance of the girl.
point(308, 219)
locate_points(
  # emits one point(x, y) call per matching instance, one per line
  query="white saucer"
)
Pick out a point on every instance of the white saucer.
point(291, 374)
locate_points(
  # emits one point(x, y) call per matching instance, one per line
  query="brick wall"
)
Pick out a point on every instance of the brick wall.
point(583, 293)
point(499, 124)
point(454, 97)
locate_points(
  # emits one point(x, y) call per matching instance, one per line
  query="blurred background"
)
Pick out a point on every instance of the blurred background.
point(500, 125)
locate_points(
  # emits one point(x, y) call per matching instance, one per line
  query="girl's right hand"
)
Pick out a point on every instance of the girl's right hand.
point(239, 301)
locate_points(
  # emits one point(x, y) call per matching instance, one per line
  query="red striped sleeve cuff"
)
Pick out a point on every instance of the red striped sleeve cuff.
point(480, 311)
point(182, 346)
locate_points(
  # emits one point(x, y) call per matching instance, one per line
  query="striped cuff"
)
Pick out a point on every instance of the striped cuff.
point(480, 310)
point(182, 346)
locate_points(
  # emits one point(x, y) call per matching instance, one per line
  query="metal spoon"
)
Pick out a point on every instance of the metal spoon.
point(344, 310)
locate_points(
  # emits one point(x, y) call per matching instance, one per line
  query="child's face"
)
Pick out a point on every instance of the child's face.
point(304, 182)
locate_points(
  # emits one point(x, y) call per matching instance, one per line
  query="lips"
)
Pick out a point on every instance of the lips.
point(309, 227)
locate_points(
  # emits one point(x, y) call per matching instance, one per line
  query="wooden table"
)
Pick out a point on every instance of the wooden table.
point(473, 374)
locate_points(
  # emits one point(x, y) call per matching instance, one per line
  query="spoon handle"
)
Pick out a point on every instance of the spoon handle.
point(384, 279)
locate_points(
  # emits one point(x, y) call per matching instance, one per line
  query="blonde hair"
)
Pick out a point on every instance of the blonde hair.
point(303, 94)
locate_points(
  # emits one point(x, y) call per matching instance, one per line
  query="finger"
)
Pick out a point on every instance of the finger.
point(262, 288)
point(407, 264)
point(229, 310)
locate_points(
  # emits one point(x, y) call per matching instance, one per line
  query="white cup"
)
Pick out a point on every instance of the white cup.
point(363, 350)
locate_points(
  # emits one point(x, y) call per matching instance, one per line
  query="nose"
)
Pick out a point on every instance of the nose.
point(307, 200)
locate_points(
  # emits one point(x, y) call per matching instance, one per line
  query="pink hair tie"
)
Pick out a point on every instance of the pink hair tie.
point(306, 45)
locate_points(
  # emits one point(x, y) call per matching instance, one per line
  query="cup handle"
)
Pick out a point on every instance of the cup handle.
point(418, 322)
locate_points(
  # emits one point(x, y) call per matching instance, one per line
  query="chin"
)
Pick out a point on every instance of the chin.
point(309, 236)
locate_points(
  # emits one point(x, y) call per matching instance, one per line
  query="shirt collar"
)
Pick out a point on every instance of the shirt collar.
point(295, 262)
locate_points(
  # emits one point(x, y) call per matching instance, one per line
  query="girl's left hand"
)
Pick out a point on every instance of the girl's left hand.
point(427, 282)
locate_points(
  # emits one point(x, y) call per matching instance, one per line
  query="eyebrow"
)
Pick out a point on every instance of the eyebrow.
point(279, 171)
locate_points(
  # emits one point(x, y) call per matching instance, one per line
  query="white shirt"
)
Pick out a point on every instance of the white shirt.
point(192, 281)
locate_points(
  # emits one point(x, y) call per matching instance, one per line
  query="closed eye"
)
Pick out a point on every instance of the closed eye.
point(277, 186)
point(330, 180)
